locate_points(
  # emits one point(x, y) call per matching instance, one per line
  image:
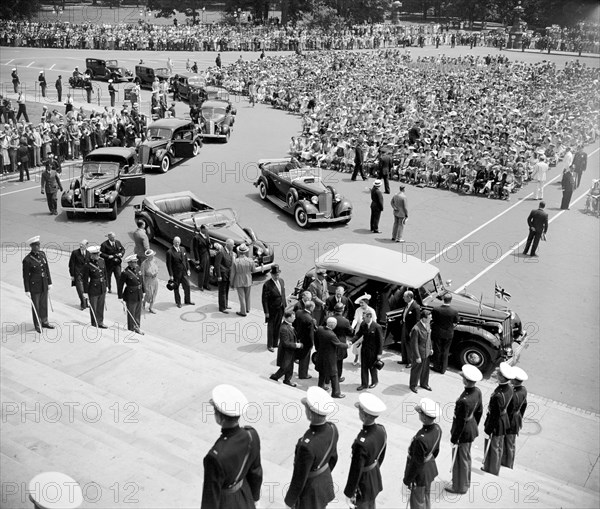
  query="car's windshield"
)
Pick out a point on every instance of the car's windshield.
point(95, 170)
point(213, 113)
point(428, 289)
point(307, 175)
point(158, 133)
point(218, 94)
point(112, 63)
point(215, 218)
point(195, 81)
point(161, 70)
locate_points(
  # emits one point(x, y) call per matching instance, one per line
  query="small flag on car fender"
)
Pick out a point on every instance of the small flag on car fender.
point(501, 293)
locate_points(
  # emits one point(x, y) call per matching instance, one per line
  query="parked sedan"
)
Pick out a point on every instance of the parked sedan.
point(168, 141)
point(302, 192)
point(109, 177)
point(100, 69)
point(216, 120)
point(181, 215)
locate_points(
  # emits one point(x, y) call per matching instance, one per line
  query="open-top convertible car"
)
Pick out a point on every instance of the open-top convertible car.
point(302, 192)
point(181, 214)
point(109, 177)
point(168, 141)
point(485, 331)
point(216, 120)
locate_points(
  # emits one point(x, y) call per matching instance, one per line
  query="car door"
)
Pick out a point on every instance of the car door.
point(183, 144)
point(133, 185)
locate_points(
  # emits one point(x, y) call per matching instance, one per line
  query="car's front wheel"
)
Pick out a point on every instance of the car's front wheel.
point(70, 214)
point(227, 136)
point(262, 190)
point(301, 217)
point(114, 211)
point(165, 164)
point(196, 149)
point(476, 355)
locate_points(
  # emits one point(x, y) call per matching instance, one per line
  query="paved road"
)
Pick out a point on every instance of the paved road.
point(557, 295)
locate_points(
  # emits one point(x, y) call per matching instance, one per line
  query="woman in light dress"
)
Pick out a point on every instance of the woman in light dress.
point(149, 270)
point(363, 307)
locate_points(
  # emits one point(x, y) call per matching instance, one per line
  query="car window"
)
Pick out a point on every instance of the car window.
point(99, 170)
point(427, 290)
point(183, 135)
point(158, 133)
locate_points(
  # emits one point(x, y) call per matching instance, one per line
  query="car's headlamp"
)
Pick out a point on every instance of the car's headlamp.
point(500, 329)
point(77, 192)
point(97, 192)
point(259, 251)
point(314, 200)
point(337, 197)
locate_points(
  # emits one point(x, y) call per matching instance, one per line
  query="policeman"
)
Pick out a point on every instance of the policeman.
point(421, 469)
point(368, 452)
point(232, 468)
point(497, 421)
point(130, 289)
point(58, 86)
point(315, 455)
point(37, 282)
point(54, 490)
point(94, 285)
point(42, 82)
point(15, 79)
point(467, 414)
point(516, 411)
point(87, 85)
point(112, 92)
point(50, 184)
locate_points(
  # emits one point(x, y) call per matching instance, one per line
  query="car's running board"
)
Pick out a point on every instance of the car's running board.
point(279, 202)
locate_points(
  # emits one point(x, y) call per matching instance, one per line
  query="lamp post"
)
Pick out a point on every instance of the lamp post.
point(203, 12)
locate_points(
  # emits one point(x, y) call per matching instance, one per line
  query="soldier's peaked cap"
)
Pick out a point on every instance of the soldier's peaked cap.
point(33, 240)
point(319, 401)
point(471, 373)
point(93, 249)
point(371, 404)
point(228, 400)
point(428, 407)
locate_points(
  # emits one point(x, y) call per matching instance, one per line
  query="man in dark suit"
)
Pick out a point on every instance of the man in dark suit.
point(337, 298)
point(467, 414)
point(58, 86)
point(51, 184)
point(223, 262)
point(343, 330)
point(420, 350)
point(130, 289)
point(376, 206)
point(516, 411)
point(568, 186)
point(385, 166)
point(579, 164)
point(319, 291)
point(305, 330)
point(112, 252)
point(410, 317)
point(201, 252)
point(273, 302)
point(359, 160)
point(179, 271)
point(370, 337)
point(79, 257)
point(424, 448)
point(444, 319)
point(94, 286)
point(538, 226)
point(327, 344)
point(286, 352)
point(232, 468)
point(37, 282)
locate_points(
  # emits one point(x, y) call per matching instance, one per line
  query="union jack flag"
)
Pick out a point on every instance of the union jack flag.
point(501, 293)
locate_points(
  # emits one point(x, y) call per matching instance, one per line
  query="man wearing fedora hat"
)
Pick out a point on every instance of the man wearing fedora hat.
point(286, 352)
point(399, 206)
point(179, 271)
point(376, 206)
point(37, 282)
point(273, 302)
point(50, 184)
point(241, 278)
point(385, 166)
point(112, 252)
point(467, 414)
point(424, 448)
point(497, 421)
point(315, 456)
point(368, 452)
point(232, 468)
point(516, 411)
point(94, 286)
point(79, 257)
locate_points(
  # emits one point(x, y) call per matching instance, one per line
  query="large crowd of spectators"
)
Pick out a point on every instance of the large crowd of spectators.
point(465, 123)
point(222, 37)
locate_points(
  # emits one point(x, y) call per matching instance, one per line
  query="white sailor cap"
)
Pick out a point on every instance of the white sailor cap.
point(370, 404)
point(33, 240)
point(319, 401)
point(506, 370)
point(93, 249)
point(228, 400)
point(365, 296)
point(428, 407)
point(131, 258)
point(55, 490)
point(519, 374)
point(471, 373)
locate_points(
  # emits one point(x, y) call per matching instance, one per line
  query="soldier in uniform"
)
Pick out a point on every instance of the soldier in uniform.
point(497, 421)
point(368, 452)
point(42, 82)
point(87, 85)
point(467, 414)
point(58, 86)
point(37, 282)
point(15, 79)
point(421, 469)
point(315, 456)
point(112, 251)
point(232, 468)
point(516, 411)
point(130, 288)
point(94, 285)
point(50, 184)
point(79, 257)
point(111, 92)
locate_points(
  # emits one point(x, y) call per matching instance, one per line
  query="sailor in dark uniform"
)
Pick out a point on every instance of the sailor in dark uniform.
point(232, 469)
point(368, 451)
point(37, 282)
point(315, 457)
point(467, 414)
point(421, 469)
point(497, 421)
point(95, 285)
point(131, 290)
point(516, 411)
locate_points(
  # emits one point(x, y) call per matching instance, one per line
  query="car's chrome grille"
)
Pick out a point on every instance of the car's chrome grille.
point(144, 152)
point(88, 198)
point(325, 202)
